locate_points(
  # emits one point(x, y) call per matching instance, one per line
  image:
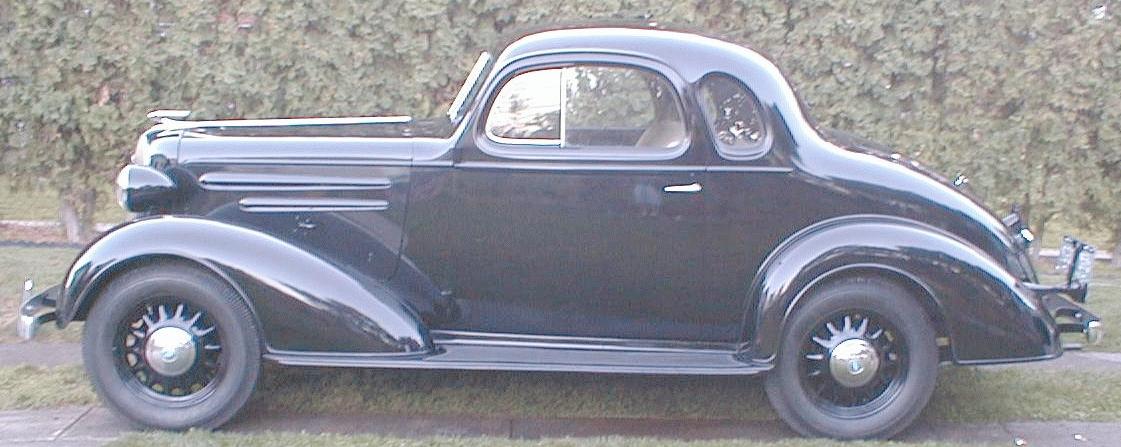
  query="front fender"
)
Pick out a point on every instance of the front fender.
point(302, 301)
point(985, 311)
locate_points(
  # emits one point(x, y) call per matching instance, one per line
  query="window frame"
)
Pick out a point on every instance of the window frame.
point(752, 152)
point(529, 149)
point(545, 142)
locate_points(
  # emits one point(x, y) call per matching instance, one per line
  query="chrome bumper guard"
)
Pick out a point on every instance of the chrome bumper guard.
point(1072, 318)
point(36, 310)
point(1076, 263)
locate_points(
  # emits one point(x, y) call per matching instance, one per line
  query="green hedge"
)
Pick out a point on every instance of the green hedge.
point(1023, 96)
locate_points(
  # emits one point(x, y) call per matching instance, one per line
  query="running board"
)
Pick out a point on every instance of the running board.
point(454, 355)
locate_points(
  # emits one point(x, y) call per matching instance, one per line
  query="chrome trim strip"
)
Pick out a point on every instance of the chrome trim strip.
point(578, 343)
point(759, 169)
point(454, 111)
point(247, 181)
point(550, 142)
point(638, 165)
point(171, 124)
point(569, 167)
point(304, 204)
point(160, 116)
point(294, 161)
point(377, 361)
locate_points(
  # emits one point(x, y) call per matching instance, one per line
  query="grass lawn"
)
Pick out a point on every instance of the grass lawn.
point(46, 266)
point(37, 387)
point(38, 204)
point(308, 440)
point(963, 394)
point(1105, 302)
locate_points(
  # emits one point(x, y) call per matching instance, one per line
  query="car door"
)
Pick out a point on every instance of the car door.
point(580, 206)
point(752, 200)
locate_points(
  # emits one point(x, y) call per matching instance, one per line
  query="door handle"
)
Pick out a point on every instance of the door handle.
point(690, 188)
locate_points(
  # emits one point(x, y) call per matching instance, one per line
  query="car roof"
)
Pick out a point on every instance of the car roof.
point(682, 51)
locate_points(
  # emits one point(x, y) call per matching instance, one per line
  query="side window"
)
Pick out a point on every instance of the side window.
point(527, 109)
point(588, 107)
point(734, 115)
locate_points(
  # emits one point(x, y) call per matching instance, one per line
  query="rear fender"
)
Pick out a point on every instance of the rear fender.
point(987, 313)
point(302, 301)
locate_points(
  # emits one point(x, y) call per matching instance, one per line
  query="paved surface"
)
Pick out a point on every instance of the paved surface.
point(89, 426)
point(1106, 362)
point(40, 354)
point(104, 226)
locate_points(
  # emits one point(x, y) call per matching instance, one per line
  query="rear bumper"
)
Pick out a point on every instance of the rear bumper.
point(35, 310)
point(1072, 318)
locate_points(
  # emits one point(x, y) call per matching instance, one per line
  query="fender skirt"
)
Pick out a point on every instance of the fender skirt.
point(988, 315)
point(302, 302)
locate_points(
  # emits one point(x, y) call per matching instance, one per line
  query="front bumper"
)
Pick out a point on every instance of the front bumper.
point(36, 310)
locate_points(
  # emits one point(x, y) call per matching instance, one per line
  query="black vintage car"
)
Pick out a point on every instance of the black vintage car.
point(607, 200)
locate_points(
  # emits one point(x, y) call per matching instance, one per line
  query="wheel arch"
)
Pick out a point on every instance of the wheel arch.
point(92, 292)
point(973, 300)
point(300, 300)
point(916, 290)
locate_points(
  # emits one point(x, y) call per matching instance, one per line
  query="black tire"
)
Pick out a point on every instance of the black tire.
point(226, 360)
point(809, 394)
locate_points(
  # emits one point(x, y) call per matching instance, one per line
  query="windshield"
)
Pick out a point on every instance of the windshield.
point(456, 110)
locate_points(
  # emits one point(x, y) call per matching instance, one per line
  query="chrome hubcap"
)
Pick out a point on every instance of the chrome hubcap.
point(853, 359)
point(170, 351)
point(854, 362)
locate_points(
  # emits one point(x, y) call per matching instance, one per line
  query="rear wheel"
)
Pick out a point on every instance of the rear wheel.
point(858, 360)
point(172, 347)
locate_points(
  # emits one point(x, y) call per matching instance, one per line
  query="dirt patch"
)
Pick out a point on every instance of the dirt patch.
point(31, 233)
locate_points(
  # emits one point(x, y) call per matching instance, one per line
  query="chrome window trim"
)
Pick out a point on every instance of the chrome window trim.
point(751, 152)
point(608, 153)
point(455, 111)
point(538, 142)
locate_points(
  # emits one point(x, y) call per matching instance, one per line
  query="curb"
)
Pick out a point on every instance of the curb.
point(33, 244)
point(101, 227)
point(92, 425)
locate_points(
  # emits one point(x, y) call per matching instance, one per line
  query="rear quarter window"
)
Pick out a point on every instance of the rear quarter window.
point(734, 116)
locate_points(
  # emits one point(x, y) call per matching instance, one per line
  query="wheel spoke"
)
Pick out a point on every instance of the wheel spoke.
point(863, 327)
point(194, 319)
point(827, 387)
point(135, 334)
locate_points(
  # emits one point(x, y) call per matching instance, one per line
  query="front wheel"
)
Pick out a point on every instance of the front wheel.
point(170, 346)
point(858, 360)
